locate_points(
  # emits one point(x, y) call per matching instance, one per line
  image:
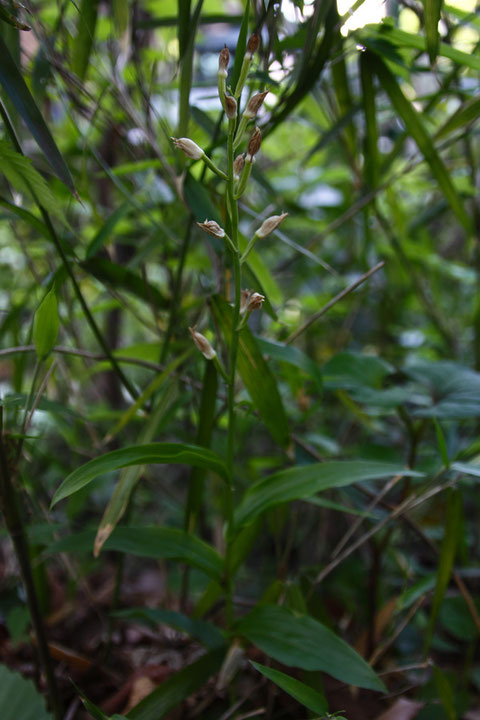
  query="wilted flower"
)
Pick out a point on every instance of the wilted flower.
point(238, 165)
point(212, 228)
point(244, 298)
point(253, 44)
point(230, 107)
point(190, 148)
point(202, 344)
point(270, 224)
point(255, 302)
point(223, 60)
point(254, 104)
point(254, 144)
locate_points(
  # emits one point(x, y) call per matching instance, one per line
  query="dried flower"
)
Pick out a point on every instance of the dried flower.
point(212, 228)
point(230, 107)
point(270, 224)
point(244, 298)
point(254, 144)
point(254, 104)
point(202, 344)
point(190, 148)
point(253, 44)
point(255, 302)
point(238, 165)
point(223, 60)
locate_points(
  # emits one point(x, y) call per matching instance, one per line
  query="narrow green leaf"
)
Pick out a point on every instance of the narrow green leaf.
point(255, 373)
point(153, 453)
point(151, 542)
point(292, 356)
point(121, 13)
point(103, 235)
point(442, 445)
point(175, 690)
point(447, 555)
point(45, 325)
point(129, 476)
point(432, 9)
point(415, 127)
point(370, 154)
point(467, 113)
point(183, 25)
point(9, 18)
point(121, 277)
point(300, 641)
point(304, 481)
point(241, 47)
point(19, 94)
point(205, 632)
point(32, 220)
point(83, 42)
point(445, 693)
point(304, 694)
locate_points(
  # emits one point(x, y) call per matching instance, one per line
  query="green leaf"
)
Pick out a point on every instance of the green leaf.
point(255, 373)
point(19, 699)
point(45, 325)
point(23, 177)
point(83, 43)
point(102, 236)
point(171, 693)
point(301, 641)
point(304, 694)
point(152, 453)
point(304, 481)
point(466, 114)
point(9, 18)
point(292, 356)
point(432, 9)
point(20, 96)
point(241, 47)
point(121, 277)
point(447, 555)
point(205, 632)
point(453, 388)
point(442, 445)
point(150, 542)
point(415, 127)
point(370, 154)
point(27, 217)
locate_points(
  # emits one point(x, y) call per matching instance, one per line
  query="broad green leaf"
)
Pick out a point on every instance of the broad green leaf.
point(130, 476)
point(171, 693)
point(45, 325)
point(122, 278)
point(349, 371)
point(151, 542)
point(20, 96)
point(255, 373)
point(432, 9)
point(83, 43)
point(205, 632)
point(152, 453)
point(23, 178)
point(467, 468)
point(304, 481)
point(292, 356)
point(447, 555)
point(19, 699)
point(417, 130)
point(454, 390)
point(300, 641)
point(304, 694)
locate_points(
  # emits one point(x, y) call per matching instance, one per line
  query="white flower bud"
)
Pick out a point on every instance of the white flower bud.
point(270, 224)
point(212, 228)
point(255, 302)
point(190, 148)
point(202, 344)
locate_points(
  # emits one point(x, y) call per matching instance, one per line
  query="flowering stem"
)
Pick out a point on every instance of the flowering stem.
point(249, 248)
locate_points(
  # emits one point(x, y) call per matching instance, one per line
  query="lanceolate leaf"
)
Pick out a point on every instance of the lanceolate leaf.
point(150, 542)
point(304, 481)
point(19, 698)
point(292, 356)
point(415, 127)
point(86, 23)
point(255, 373)
point(205, 632)
point(153, 453)
point(305, 695)
point(20, 96)
point(121, 277)
point(45, 325)
point(370, 154)
point(467, 113)
point(300, 641)
point(176, 689)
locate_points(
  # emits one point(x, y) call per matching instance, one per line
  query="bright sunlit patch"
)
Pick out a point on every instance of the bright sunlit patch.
point(371, 11)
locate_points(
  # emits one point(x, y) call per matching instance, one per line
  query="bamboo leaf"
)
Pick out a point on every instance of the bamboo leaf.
point(45, 325)
point(20, 96)
point(103, 235)
point(300, 641)
point(121, 277)
point(292, 356)
point(83, 43)
point(466, 114)
point(255, 373)
point(304, 481)
point(415, 127)
point(304, 694)
point(371, 160)
point(432, 9)
point(205, 632)
point(152, 453)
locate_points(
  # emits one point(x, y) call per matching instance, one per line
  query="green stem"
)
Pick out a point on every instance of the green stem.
point(16, 530)
point(209, 163)
point(232, 203)
point(177, 288)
